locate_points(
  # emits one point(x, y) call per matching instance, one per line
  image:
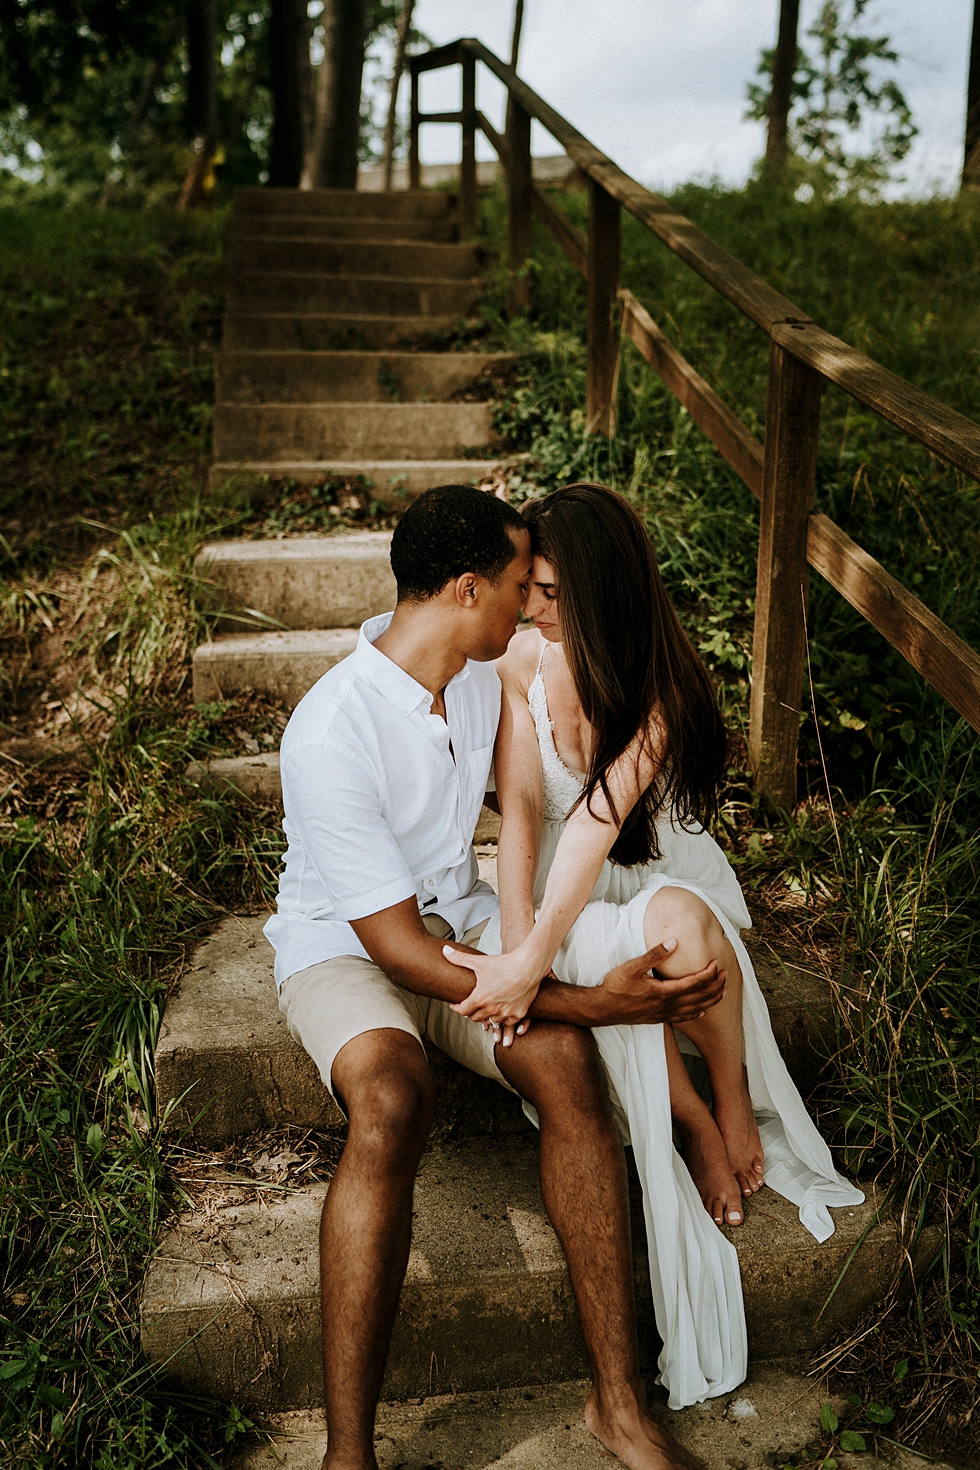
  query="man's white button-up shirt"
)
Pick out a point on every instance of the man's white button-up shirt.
point(381, 800)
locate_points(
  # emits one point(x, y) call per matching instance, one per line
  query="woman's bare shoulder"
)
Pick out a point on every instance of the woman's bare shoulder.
point(516, 667)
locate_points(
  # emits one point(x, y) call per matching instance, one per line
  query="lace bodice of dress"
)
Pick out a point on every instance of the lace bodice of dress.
point(561, 787)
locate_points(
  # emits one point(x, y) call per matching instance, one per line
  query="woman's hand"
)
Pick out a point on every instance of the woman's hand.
point(504, 991)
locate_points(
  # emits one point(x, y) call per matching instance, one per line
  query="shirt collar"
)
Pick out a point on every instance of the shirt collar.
point(404, 692)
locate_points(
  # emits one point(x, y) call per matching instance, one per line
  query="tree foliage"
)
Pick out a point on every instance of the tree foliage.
point(837, 87)
point(96, 90)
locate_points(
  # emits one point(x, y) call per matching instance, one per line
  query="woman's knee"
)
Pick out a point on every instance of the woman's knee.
point(679, 914)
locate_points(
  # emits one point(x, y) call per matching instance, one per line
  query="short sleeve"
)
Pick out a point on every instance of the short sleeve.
point(333, 806)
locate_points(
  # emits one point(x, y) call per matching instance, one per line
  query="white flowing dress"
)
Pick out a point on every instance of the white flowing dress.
point(694, 1272)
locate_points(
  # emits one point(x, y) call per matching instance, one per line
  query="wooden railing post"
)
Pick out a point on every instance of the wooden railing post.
point(467, 167)
point(518, 207)
point(779, 640)
point(414, 168)
point(602, 336)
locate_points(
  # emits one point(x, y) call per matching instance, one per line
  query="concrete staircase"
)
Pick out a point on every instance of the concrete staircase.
point(329, 296)
point(230, 1302)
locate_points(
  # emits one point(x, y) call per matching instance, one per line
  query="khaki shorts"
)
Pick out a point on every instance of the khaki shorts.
point(332, 1002)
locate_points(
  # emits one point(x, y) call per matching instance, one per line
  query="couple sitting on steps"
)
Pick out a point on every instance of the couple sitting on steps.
point(613, 949)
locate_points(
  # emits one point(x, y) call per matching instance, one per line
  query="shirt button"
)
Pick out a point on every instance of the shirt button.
point(430, 883)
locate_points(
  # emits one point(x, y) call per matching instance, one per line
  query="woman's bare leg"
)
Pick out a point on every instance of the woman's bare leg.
point(702, 1146)
point(676, 913)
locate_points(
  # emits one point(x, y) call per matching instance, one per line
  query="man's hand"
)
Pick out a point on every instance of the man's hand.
point(630, 995)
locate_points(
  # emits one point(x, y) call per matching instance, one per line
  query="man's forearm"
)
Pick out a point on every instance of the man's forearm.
point(581, 1005)
point(426, 971)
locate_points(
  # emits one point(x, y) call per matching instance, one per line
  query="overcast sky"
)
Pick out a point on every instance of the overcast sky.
point(660, 84)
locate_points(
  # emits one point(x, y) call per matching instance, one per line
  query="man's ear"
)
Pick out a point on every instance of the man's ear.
point(466, 589)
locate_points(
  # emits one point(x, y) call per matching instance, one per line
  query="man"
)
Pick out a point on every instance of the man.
point(384, 767)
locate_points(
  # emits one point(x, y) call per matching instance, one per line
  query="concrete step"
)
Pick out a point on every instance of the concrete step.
point(306, 582)
point(344, 203)
point(330, 227)
point(394, 480)
point(222, 1044)
point(308, 292)
point(226, 1063)
point(772, 1419)
point(389, 258)
point(280, 331)
point(344, 432)
point(231, 1303)
point(352, 377)
point(282, 665)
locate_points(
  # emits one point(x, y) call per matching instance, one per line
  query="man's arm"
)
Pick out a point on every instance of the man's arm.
point(401, 946)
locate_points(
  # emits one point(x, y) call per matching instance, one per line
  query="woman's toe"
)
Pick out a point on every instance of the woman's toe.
point(733, 1215)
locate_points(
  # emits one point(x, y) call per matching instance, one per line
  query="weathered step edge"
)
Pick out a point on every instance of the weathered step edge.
point(352, 377)
point(393, 481)
point(299, 582)
point(282, 665)
point(349, 432)
point(487, 1301)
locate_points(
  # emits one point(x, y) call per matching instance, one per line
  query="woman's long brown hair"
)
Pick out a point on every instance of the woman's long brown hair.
point(632, 664)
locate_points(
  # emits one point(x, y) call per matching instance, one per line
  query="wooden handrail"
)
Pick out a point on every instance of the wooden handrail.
point(781, 472)
point(943, 430)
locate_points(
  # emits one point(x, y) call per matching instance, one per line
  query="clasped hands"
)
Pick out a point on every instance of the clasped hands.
point(507, 984)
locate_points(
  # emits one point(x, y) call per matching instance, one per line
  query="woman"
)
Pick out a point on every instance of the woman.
point(609, 756)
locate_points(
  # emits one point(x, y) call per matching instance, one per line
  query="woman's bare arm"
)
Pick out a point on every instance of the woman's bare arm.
point(507, 984)
point(517, 772)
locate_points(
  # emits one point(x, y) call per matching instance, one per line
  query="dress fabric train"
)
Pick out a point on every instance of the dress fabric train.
point(694, 1272)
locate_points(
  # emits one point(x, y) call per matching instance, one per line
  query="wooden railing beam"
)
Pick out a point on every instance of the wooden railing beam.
point(602, 338)
point(414, 166)
point(726, 431)
point(945, 661)
point(467, 167)
point(779, 639)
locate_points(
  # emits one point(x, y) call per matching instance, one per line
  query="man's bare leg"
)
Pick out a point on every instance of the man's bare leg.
point(702, 1146)
point(679, 914)
point(366, 1230)
point(583, 1181)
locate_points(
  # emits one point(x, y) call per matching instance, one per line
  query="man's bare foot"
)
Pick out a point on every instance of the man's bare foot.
point(631, 1435)
point(738, 1127)
point(703, 1151)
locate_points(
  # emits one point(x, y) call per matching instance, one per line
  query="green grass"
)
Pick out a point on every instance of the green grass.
point(112, 867)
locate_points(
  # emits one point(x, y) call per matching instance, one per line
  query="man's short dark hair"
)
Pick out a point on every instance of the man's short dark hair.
point(449, 531)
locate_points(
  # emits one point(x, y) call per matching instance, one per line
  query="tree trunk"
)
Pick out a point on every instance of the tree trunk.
point(971, 148)
point(332, 161)
point(401, 41)
point(289, 66)
point(141, 108)
point(781, 95)
point(202, 94)
point(202, 64)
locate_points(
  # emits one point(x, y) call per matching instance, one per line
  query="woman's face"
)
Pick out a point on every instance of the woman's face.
point(542, 601)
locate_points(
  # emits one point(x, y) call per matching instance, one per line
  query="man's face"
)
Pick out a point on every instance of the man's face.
point(499, 607)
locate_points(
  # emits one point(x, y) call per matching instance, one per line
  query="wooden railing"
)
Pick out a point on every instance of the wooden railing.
point(781, 472)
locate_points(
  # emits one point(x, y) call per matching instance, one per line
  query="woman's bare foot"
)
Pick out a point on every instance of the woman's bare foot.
point(703, 1151)
point(631, 1435)
point(736, 1122)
